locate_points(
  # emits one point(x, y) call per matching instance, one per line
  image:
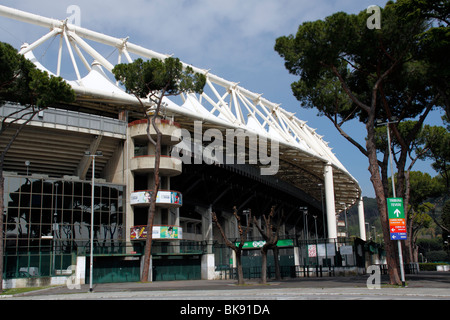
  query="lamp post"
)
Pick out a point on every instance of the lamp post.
point(305, 222)
point(27, 164)
point(91, 258)
point(315, 226)
point(345, 219)
point(55, 225)
point(399, 245)
point(323, 211)
point(317, 238)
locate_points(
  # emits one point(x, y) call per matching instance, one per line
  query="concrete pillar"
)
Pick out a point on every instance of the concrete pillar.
point(208, 260)
point(330, 201)
point(208, 266)
point(362, 220)
point(129, 212)
point(207, 228)
point(297, 261)
point(81, 269)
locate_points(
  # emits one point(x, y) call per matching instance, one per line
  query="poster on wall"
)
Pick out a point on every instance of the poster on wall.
point(312, 251)
point(163, 197)
point(140, 197)
point(158, 232)
point(167, 232)
point(326, 250)
point(346, 250)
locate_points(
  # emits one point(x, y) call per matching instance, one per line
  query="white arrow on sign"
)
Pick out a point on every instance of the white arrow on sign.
point(397, 212)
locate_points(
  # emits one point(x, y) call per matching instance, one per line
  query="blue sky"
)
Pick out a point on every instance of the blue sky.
point(232, 38)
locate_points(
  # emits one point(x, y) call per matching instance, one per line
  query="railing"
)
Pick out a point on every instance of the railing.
point(35, 264)
point(71, 120)
point(410, 268)
point(180, 247)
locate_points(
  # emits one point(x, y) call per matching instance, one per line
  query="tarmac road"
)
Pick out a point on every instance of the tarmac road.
point(223, 299)
point(423, 286)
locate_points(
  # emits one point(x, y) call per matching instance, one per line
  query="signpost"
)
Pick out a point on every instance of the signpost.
point(397, 222)
point(396, 212)
point(397, 227)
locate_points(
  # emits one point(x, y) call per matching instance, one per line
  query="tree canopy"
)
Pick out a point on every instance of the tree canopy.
point(348, 71)
point(21, 82)
point(144, 78)
point(339, 60)
point(436, 141)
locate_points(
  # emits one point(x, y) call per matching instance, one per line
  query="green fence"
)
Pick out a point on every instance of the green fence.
point(169, 268)
point(113, 269)
point(37, 264)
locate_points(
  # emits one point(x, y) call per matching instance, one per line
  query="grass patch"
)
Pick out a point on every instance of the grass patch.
point(14, 291)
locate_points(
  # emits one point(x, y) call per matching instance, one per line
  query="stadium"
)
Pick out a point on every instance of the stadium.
point(268, 158)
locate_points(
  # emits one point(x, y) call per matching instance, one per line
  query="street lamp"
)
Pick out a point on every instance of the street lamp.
point(379, 123)
point(317, 237)
point(323, 211)
point(91, 258)
point(315, 225)
point(345, 219)
point(368, 229)
point(55, 225)
point(305, 222)
point(27, 164)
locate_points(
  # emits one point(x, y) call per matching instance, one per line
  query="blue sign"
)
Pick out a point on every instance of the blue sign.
point(398, 236)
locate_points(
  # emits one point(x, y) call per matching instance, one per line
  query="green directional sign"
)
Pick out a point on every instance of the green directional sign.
point(395, 208)
point(397, 221)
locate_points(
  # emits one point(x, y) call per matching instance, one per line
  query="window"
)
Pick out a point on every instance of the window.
point(49, 219)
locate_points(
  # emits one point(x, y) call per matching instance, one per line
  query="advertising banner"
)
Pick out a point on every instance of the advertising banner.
point(346, 250)
point(326, 250)
point(261, 243)
point(159, 233)
point(163, 197)
point(312, 251)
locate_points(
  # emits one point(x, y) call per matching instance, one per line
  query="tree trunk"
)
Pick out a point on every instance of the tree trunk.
point(239, 267)
point(377, 183)
point(264, 250)
point(409, 243)
point(148, 241)
point(277, 264)
point(152, 208)
point(237, 249)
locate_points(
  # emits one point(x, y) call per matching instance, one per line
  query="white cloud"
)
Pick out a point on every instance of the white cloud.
point(233, 38)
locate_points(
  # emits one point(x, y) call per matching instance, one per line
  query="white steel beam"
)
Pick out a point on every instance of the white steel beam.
point(40, 41)
point(272, 121)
